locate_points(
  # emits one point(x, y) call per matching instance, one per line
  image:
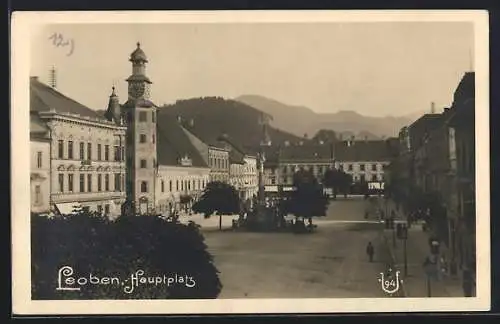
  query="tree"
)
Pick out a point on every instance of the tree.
point(218, 197)
point(338, 180)
point(325, 135)
point(95, 246)
point(308, 199)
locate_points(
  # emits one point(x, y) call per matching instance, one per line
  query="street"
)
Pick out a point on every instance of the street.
point(329, 263)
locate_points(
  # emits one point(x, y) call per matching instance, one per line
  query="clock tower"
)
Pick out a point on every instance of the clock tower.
point(140, 114)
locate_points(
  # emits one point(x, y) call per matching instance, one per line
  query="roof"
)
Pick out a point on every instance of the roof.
point(138, 54)
point(37, 125)
point(46, 98)
point(377, 150)
point(236, 157)
point(465, 89)
point(306, 152)
point(173, 145)
point(143, 103)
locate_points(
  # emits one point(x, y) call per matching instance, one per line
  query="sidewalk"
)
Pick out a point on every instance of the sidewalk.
point(418, 249)
point(212, 222)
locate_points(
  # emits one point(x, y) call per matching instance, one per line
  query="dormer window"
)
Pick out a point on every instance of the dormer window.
point(185, 161)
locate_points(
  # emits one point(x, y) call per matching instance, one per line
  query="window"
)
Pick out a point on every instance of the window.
point(61, 182)
point(82, 183)
point(144, 186)
point(117, 153)
point(117, 182)
point(122, 151)
point(374, 177)
point(82, 151)
point(182, 185)
point(70, 150)
point(374, 167)
point(177, 185)
point(154, 139)
point(123, 182)
point(189, 185)
point(106, 209)
point(143, 164)
point(199, 184)
point(106, 182)
point(381, 177)
point(99, 209)
point(162, 186)
point(362, 178)
point(89, 151)
point(70, 182)
point(99, 182)
point(153, 116)
point(38, 194)
point(99, 153)
point(39, 160)
point(60, 149)
point(89, 182)
point(106, 152)
point(142, 138)
point(170, 185)
point(349, 167)
point(143, 116)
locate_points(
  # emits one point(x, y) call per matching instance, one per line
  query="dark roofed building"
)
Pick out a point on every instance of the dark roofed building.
point(421, 129)
point(174, 144)
point(378, 150)
point(46, 98)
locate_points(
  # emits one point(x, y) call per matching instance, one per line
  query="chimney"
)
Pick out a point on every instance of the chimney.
point(53, 78)
point(433, 108)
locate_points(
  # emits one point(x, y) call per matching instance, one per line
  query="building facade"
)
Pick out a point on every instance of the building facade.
point(218, 161)
point(40, 165)
point(86, 160)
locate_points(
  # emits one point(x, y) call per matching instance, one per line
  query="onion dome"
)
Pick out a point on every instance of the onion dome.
point(138, 55)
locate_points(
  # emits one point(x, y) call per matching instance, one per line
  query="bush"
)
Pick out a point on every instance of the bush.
point(93, 245)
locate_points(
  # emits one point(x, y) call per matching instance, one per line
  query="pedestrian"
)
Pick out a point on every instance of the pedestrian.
point(370, 251)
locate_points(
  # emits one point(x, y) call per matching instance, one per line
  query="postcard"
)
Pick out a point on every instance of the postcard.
point(250, 162)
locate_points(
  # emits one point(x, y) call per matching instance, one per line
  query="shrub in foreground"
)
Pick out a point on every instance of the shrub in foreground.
point(141, 257)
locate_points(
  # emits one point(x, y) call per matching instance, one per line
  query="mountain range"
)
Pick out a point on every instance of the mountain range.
point(300, 120)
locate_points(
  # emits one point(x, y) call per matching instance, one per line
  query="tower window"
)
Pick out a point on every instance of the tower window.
point(143, 116)
point(162, 186)
point(143, 164)
point(142, 138)
point(39, 160)
point(144, 186)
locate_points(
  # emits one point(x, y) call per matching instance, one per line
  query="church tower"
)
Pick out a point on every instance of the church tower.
point(140, 114)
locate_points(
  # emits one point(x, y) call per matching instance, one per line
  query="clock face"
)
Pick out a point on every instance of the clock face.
point(137, 89)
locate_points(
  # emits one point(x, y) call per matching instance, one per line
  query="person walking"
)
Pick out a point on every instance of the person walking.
point(370, 250)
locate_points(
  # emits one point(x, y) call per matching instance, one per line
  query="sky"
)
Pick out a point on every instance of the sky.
point(373, 68)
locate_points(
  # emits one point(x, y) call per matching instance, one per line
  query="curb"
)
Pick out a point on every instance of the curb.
point(394, 263)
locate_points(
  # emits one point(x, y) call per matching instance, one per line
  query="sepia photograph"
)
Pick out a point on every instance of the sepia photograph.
point(250, 162)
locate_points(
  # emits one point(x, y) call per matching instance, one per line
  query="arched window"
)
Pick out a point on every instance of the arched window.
point(144, 186)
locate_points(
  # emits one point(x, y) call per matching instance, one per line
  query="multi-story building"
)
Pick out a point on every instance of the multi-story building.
point(218, 161)
point(462, 127)
point(87, 167)
point(40, 165)
point(364, 161)
point(183, 172)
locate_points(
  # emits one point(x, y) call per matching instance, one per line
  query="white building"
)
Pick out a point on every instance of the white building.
point(40, 165)
point(87, 166)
